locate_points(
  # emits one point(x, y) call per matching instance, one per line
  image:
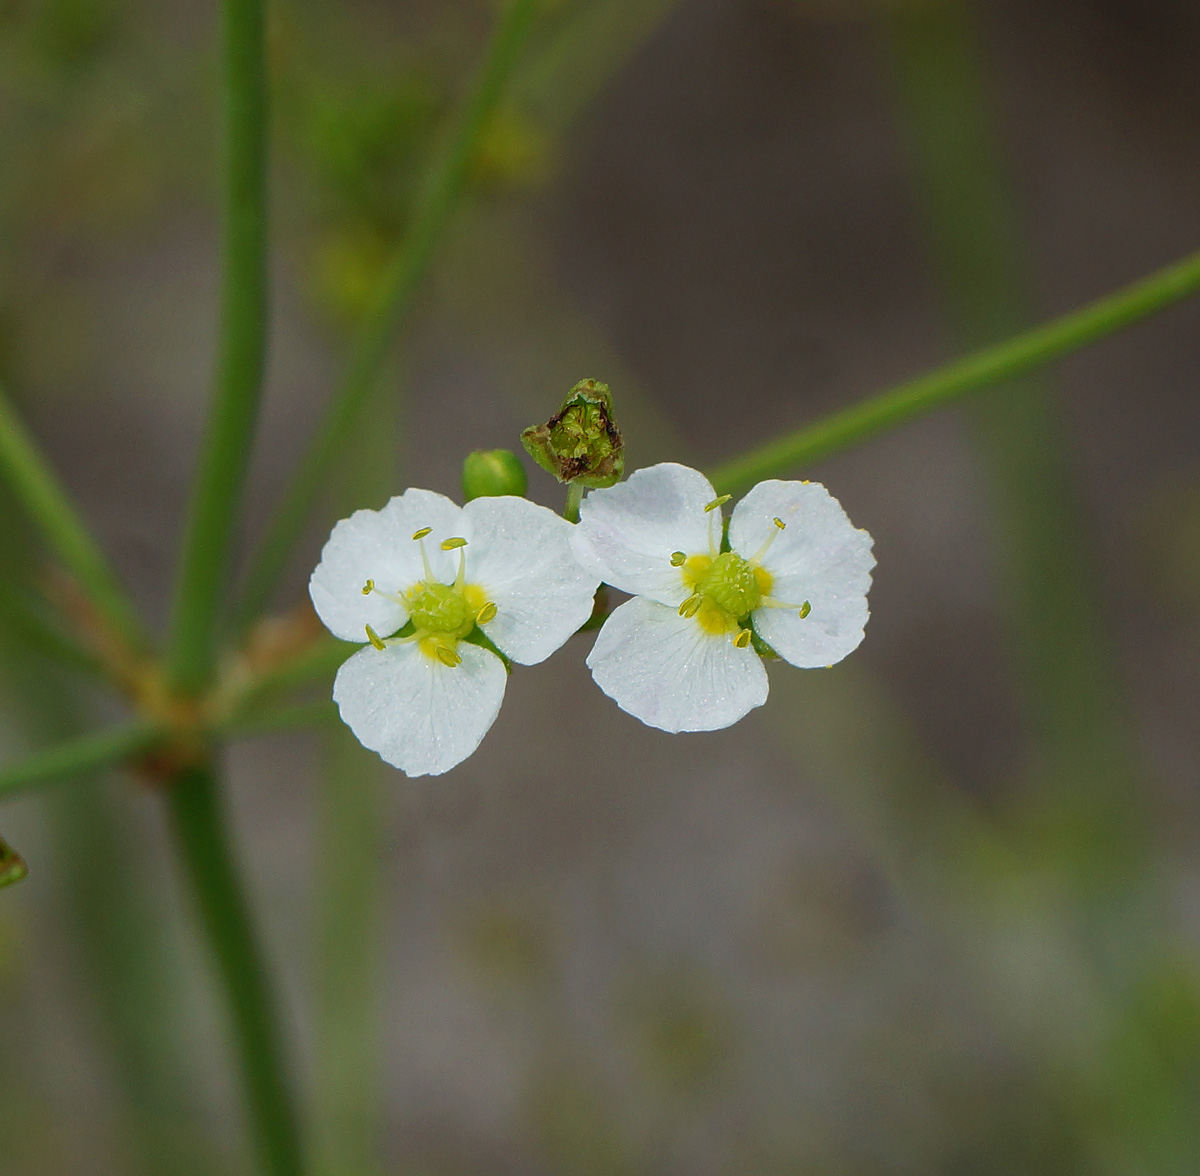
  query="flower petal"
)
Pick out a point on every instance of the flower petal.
point(667, 671)
point(419, 715)
point(628, 532)
point(521, 555)
point(820, 558)
point(378, 545)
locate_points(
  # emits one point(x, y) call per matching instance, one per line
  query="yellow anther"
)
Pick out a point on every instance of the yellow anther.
point(742, 639)
point(451, 544)
point(805, 609)
point(691, 606)
point(368, 587)
point(448, 657)
point(780, 524)
point(422, 532)
point(373, 638)
point(716, 502)
point(487, 613)
point(678, 559)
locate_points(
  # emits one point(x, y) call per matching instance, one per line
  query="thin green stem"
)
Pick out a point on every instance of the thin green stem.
point(439, 195)
point(318, 661)
point(352, 899)
point(39, 491)
point(574, 500)
point(1005, 361)
point(229, 436)
point(205, 857)
point(88, 753)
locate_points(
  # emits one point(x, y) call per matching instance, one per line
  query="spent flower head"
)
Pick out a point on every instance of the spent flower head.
point(581, 442)
point(438, 594)
point(683, 654)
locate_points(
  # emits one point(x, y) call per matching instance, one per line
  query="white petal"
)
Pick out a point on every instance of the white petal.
point(378, 545)
point(667, 671)
point(820, 558)
point(520, 553)
point(628, 532)
point(421, 716)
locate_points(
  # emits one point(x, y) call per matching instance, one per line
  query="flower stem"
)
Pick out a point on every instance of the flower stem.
point(33, 482)
point(225, 452)
point(1005, 361)
point(442, 187)
point(202, 844)
point(88, 753)
point(574, 500)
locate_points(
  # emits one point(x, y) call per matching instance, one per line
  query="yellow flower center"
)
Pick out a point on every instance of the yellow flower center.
point(441, 614)
point(725, 590)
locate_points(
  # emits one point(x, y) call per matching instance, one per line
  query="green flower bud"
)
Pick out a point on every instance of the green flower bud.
point(488, 473)
point(12, 867)
point(580, 443)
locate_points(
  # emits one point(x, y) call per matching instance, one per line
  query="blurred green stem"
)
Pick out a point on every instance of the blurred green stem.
point(39, 491)
point(88, 753)
point(201, 838)
point(440, 191)
point(1082, 742)
point(229, 435)
point(574, 500)
point(992, 365)
point(351, 899)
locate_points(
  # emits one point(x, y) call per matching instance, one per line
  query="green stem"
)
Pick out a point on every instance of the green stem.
point(352, 898)
point(225, 452)
point(204, 854)
point(912, 399)
point(88, 753)
point(34, 484)
point(440, 192)
point(574, 500)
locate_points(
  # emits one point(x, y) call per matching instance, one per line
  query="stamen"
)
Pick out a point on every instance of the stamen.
point(691, 606)
point(448, 657)
point(419, 537)
point(805, 609)
point(451, 544)
point(742, 639)
point(368, 587)
point(716, 502)
point(373, 638)
point(678, 559)
point(487, 613)
point(780, 525)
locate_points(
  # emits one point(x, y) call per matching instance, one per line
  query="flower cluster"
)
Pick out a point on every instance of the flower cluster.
point(443, 597)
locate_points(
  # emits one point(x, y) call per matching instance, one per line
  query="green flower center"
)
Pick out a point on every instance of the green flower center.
point(730, 583)
point(441, 609)
point(725, 590)
point(441, 614)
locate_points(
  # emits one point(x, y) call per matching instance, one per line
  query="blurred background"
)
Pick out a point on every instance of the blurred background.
point(934, 911)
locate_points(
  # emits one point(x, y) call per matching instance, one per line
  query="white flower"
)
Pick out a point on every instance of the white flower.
point(680, 655)
point(502, 566)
